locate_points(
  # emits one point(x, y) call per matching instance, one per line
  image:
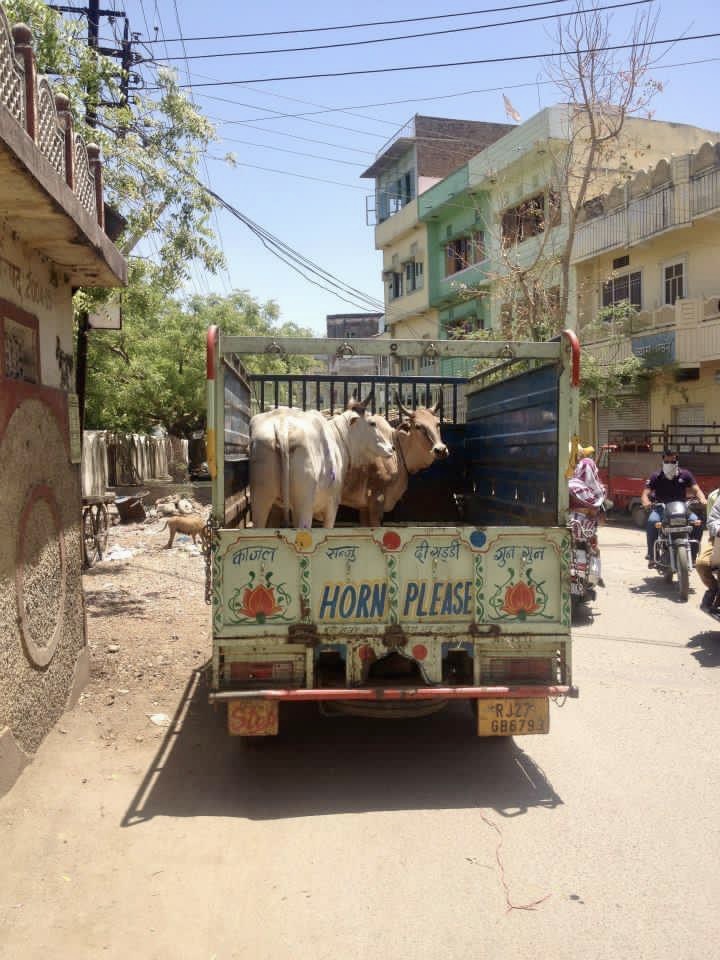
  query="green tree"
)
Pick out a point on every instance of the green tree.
point(153, 371)
point(151, 151)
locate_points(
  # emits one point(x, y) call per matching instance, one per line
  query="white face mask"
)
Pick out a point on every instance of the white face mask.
point(670, 470)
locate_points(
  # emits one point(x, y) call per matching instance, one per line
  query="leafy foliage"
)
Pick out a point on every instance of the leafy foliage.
point(153, 371)
point(613, 384)
point(151, 149)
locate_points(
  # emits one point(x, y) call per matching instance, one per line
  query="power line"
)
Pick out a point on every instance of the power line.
point(461, 63)
point(310, 103)
point(391, 103)
point(227, 278)
point(371, 23)
point(407, 36)
point(290, 173)
point(296, 153)
point(295, 136)
point(298, 261)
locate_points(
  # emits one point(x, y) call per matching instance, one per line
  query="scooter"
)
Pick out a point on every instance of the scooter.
point(585, 567)
point(674, 552)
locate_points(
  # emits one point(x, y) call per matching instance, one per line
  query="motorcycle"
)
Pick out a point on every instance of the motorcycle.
point(585, 567)
point(675, 550)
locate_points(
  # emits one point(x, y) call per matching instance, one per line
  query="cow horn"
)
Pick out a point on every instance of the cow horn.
point(436, 406)
point(362, 404)
point(403, 410)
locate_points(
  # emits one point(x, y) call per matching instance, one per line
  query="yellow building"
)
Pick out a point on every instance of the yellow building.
point(421, 154)
point(654, 243)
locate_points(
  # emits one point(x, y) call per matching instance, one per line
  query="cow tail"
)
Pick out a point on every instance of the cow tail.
point(281, 438)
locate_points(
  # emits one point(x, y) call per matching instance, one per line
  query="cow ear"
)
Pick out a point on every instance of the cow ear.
point(404, 426)
point(353, 418)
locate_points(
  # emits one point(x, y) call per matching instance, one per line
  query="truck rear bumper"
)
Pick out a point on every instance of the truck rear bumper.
point(397, 693)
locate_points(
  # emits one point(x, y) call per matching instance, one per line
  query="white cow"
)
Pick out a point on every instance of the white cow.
point(299, 460)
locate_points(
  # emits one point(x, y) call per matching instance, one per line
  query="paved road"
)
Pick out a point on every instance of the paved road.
point(354, 839)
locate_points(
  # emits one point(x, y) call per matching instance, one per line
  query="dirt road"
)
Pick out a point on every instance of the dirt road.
point(356, 838)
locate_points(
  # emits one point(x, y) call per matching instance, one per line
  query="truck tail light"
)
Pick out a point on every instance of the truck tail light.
point(262, 672)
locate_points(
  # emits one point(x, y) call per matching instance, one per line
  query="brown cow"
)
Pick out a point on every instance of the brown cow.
point(375, 489)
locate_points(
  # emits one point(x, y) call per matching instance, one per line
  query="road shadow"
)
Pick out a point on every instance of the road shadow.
point(115, 602)
point(655, 585)
point(706, 647)
point(319, 766)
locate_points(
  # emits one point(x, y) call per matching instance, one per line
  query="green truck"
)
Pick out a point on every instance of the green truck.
point(463, 593)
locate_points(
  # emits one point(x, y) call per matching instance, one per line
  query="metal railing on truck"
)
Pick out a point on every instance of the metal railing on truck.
point(333, 392)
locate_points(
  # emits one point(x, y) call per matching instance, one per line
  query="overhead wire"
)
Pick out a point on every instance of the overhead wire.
point(299, 261)
point(225, 272)
point(220, 54)
point(487, 61)
point(296, 153)
point(405, 100)
point(373, 23)
point(290, 173)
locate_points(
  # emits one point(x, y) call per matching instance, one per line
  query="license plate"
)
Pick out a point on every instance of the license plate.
point(252, 718)
point(513, 717)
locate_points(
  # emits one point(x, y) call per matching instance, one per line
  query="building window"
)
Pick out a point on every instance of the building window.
point(674, 276)
point(413, 275)
point(627, 287)
point(394, 284)
point(407, 366)
point(463, 252)
point(530, 217)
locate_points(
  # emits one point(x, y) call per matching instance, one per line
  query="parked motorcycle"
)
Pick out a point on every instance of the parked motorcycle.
point(585, 567)
point(674, 553)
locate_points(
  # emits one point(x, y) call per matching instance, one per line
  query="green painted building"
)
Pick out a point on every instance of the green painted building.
point(456, 218)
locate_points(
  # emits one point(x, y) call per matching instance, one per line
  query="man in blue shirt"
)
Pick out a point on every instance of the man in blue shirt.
point(668, 484)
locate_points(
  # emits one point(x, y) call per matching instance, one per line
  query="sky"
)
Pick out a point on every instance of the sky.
point(299, 176)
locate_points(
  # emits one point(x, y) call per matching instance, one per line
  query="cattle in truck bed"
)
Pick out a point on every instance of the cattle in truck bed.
point(299, 460)
point(376, 488)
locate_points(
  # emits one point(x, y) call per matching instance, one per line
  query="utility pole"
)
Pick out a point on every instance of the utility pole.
point(93, 15)
point(94, 12)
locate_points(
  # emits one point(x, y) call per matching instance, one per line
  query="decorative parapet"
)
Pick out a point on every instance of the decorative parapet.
point(46, 118)
point(673, 193)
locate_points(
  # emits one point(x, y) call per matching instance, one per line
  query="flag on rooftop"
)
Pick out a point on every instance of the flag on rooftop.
point(510, 110)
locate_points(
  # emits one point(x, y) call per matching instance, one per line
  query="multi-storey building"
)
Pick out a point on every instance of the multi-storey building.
point(500, 208)
point(422, 153)
point(653, 243)
point(504, 205)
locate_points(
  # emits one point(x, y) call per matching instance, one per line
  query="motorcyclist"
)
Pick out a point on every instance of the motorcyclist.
point(709, 556)
point(666, 485)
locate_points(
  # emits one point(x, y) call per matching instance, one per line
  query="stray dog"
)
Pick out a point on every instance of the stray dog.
point(193, 525)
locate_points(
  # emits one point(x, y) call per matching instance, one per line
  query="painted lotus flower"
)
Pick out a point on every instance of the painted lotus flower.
point(259, 603)
point(520, 600)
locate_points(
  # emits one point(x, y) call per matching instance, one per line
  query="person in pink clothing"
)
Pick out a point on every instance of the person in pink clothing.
point(586, 490)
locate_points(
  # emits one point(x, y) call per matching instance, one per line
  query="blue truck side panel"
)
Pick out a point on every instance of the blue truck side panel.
point(512, 450)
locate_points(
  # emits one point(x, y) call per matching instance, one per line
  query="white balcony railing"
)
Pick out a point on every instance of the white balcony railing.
point(639, 219)
point(695, 323)
point(705, 192)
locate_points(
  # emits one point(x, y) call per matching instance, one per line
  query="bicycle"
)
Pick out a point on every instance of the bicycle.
point(95, 527)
